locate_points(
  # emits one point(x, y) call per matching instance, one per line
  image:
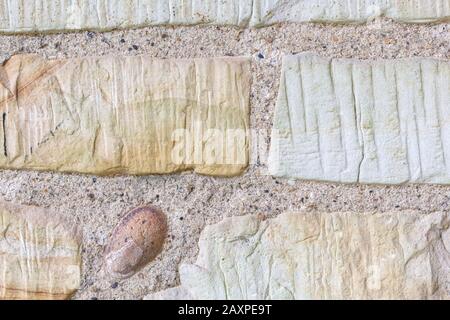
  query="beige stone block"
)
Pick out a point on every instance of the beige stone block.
point(30, 16)
point(125, 115)
point(344, 120)
point(70, 15)
point(40, 256)
point(342, 255)
point(266, 12)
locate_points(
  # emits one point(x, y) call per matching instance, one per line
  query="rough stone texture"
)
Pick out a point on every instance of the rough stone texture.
point(136, 240)
point(381, 121)
point(399, 255)
point(40, 257)
point(69, 15)
point(192, 201)
point(276, 11)
point(128, 115)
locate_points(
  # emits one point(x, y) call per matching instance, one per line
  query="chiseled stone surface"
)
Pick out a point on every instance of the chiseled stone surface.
point(396, 255)
point(60, 15)
point(54, 15)
point(268, 12)
point(342, 120)
point(125, 115)
point(40, 257)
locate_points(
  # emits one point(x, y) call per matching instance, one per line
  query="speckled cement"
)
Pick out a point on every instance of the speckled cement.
point(191, 201)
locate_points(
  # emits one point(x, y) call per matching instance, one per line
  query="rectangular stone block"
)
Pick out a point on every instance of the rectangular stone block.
point(40, 256)
point(315, 255)
point(68, 15)
point(59, 15)
point(125, 115)
point(266, 12)
point(342, 120)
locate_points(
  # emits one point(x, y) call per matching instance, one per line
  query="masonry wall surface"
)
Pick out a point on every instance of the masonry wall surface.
point(193, 201)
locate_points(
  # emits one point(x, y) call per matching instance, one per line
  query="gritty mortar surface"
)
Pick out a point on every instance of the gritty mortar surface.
point(192, 201)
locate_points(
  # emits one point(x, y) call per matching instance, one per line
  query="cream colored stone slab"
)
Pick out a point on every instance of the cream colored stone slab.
point(177, 293)
point(125, 115)
point(266, 12)
point(40, 257)
point(341, 120)
point(398, 255)
point(61, 15)
point(71, 15)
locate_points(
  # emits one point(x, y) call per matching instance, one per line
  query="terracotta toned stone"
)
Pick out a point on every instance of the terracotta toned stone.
point(136, 240)
point(362, 121)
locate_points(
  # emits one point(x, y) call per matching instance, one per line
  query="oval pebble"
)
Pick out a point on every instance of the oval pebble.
point(135, 241)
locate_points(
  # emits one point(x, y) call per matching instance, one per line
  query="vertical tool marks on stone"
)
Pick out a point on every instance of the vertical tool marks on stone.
point(266, 12)
point(59, 15)
point(370, 122)
point(39, 256)
point(130, 115)
point(46, 15)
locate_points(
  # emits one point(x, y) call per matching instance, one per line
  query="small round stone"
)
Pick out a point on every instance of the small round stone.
point(135, 241)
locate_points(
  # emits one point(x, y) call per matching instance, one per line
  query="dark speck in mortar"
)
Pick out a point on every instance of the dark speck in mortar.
point(135, 47)
point(114, 285)
point(105, 40)
point(164, 35)
point(90, 34)
point(260, 56)
point(122, 40)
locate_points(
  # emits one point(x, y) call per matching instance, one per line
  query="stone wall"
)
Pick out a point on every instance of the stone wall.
point(271, 149)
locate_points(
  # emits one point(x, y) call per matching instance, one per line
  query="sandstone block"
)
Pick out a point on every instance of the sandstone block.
point(136, 240)
point(268, 12)
point(125, 115)
point(351, 121)
point(394, 255)
point(67, 15)
point(40, 257)
point(62, 15)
